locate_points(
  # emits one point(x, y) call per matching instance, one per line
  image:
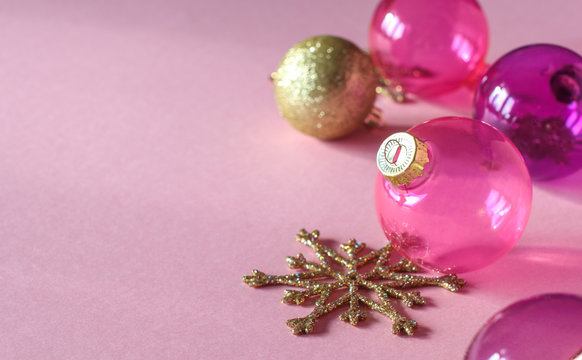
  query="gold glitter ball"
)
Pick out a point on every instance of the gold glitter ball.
point(325, 87)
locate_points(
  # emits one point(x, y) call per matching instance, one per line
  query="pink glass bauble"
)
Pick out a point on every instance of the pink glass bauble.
point(429, 46)
point(534, 96)
point(543, 327)
point(469, 207)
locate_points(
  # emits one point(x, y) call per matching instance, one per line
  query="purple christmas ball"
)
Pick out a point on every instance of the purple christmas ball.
point(534, 96)
point(542, 327)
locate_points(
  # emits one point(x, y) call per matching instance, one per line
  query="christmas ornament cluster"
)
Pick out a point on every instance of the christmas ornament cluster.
point(325, 86)
point(452, 194)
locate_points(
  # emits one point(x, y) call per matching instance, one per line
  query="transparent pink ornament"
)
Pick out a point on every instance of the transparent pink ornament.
point(469, 207)
point(542, 327)
point(429, 46)
point(533, 94)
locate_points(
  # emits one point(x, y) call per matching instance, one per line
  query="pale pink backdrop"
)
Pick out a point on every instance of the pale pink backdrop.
point(144, 169)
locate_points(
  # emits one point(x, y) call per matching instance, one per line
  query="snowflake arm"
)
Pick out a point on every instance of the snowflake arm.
point(310, 239)
point(450, 282)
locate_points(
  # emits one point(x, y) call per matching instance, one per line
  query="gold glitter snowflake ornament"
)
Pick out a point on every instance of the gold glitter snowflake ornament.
point(321, 280)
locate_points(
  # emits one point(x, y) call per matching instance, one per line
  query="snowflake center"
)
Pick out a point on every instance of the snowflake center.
point(352, 278)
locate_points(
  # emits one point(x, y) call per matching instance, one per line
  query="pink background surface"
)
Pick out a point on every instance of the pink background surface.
point(144, 169)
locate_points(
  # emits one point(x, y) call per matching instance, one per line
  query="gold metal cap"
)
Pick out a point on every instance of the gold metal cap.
point(401, 158)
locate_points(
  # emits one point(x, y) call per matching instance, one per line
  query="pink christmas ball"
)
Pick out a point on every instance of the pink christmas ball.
point(470, 205)
point(533, 94)
point(429, 46)
point(542, 327)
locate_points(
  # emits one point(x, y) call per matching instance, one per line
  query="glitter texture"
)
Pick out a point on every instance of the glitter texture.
point(325, 87)
point(320, 280)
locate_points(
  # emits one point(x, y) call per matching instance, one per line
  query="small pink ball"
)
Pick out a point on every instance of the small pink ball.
point(470, 205)
point(533, 94)
point(542, 327)
point(429, 46)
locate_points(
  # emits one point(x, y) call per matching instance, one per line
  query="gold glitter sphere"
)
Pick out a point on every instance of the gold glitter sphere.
point(325, 87)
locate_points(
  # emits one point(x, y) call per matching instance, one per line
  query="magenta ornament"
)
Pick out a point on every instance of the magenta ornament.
point(429, 46)
point(462, 210)
point(542, 327)
point(533, 95)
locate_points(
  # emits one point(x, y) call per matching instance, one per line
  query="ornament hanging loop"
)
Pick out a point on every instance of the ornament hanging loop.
point(391, 90)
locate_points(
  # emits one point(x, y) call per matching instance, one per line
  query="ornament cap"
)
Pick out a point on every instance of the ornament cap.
point(401, 158)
